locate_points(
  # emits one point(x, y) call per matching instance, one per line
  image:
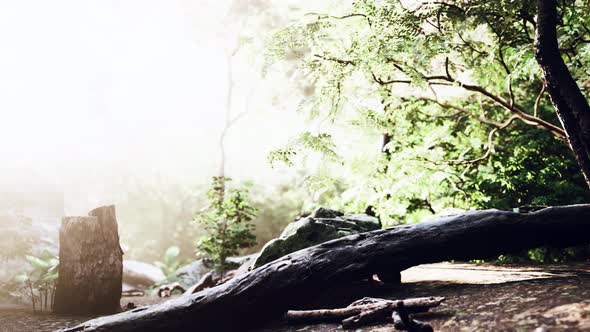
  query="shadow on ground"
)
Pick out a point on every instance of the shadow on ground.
point(479, 298)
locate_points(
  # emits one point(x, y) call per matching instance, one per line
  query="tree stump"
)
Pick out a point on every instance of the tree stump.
point(91, 264)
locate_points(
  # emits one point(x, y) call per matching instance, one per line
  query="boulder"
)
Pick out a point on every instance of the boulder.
point(244, 263)
point(322, 225)
point(140, 275)
point(191, 273)
point(240, 260)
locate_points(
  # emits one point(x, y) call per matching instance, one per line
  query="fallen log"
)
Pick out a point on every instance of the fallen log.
point(421, 304)
point(388, 310)
point(366, 317)
point(268, 291)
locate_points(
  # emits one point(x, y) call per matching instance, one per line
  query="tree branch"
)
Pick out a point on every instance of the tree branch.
point(468, 44)
point(462, 110)
point(508, 72)
point(324, 16)
point(527, 118)
point(538, 100)
point(447, 71)
point(440, 116)
point(340, 61)
point(447, 78)
point(490, 148)
point(381, 82)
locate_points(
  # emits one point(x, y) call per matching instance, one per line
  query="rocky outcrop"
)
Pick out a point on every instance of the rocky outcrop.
point(140, 275)
point(322, 225)
point(191, 273)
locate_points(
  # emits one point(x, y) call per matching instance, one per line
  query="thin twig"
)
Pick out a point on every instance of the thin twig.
point(340, 61)
point(324, 16)
point(490, 148)
point(538, 100)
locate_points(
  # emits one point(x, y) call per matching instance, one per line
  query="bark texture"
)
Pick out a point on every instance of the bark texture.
point(420, 304)
point(567, 98)
point(270, 290)
point(91, 264)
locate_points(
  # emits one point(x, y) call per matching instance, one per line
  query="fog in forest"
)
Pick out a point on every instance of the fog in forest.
point(166, 162)
point(124, 103)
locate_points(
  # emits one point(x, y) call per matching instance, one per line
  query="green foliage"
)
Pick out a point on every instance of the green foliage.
point(454, 86)
point(456, 90)
point(227, 223)
point(532, 170)
point(321, 143)
point(170, 262)
point(546, 255)
point(276, 209)
point(40, 281)
point(18, 236)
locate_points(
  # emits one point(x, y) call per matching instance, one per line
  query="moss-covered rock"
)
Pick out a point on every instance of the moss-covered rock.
point(322, 225)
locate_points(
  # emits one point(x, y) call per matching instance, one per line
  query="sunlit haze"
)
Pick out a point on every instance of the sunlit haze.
point(97, 90)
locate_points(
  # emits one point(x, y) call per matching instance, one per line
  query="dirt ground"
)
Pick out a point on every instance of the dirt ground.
point(479, 298)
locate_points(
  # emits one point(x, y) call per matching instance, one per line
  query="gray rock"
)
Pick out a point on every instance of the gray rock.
point(240, 260)
point(323, 212)
point(322, 225)
point(244, 263)
point(140, 275)
point(191, 273)
point(363, 221)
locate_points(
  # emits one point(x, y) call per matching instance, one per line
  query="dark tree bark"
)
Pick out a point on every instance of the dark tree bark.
point(270, 290)
point(569, 102)
point(91, 264)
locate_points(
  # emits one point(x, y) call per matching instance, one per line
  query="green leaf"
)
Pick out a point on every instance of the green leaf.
point(22, 277)
point(172, 252)
point(38, 263)
point(50, 277)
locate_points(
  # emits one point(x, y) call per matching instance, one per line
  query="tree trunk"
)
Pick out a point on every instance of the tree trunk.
point(91, 264)
point(569, 102)
point(270, 290)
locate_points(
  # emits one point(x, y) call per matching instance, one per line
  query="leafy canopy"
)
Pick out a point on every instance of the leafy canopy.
point(453, 88)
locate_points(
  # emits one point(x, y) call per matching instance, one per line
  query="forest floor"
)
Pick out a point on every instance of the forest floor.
point(479, 298)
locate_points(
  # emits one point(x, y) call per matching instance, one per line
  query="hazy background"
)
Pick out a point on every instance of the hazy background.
point(92, 91)
point(122, 102)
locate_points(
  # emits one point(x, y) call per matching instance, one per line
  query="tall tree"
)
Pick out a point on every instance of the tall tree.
point(569, 102)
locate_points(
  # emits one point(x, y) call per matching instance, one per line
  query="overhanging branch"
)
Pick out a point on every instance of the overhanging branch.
point(448, 79)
